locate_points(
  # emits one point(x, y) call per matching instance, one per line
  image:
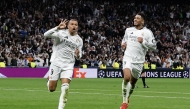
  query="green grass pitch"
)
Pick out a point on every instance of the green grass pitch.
point(17, 93)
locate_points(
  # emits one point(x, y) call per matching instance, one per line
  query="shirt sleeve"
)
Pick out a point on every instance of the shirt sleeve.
point(56, 41)
point(125, 38)
point(150, 42)
point(52, 33)
point(80, 50)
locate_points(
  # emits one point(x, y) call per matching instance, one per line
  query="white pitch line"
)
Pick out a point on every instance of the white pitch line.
point(23, 89)
point(164, 92)
point(135, 91)
point(132, 95)
point(145, 96)
point(36, 89)
point(162, 97)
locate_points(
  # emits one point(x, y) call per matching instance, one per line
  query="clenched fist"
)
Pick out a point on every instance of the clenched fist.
point(124, 45)
point(140, 39)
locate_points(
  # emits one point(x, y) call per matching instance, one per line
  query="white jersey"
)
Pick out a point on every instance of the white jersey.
point(135, 50)
point(66, 47)
point(54, 48)
point(53, 53)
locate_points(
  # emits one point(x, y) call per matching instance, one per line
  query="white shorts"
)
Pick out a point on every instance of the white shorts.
point(136, 68)
point(56, 73)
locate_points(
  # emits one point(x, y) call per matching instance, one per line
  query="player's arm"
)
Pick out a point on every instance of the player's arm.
point(52, 33)
point(150, 42)
point(124, 41)
point(78, 52)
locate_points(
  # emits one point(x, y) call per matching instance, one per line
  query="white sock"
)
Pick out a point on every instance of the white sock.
point(48, 84)
point(128, 91)
point(124, 89)
point(63, 96)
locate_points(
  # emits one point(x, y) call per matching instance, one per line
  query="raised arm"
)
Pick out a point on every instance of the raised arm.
point(52, 33)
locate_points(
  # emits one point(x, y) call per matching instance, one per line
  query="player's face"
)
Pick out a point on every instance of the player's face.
point(73, 26)
point(138, 20)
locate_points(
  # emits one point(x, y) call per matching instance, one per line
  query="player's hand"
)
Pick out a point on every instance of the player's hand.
point(124, 45)
point(140, 39)
point(62, 25)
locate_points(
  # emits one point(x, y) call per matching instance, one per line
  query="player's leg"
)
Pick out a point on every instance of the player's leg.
point(135, 74)
point(54, 72)
point(66, 77)
point(48, 79)
point(126, 79)
point(126, 83)
point(132, 85)
point(143, 79)
point(125, 87)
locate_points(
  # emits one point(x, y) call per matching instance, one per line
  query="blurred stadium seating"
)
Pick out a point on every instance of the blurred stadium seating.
point(102, 26)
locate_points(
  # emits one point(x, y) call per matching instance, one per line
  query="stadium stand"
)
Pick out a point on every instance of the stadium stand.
point(102, 26)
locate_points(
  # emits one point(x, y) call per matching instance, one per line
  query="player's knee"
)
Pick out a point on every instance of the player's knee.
point(52, 86)
point(52, 89)
point(127, 74)
point(127, 78)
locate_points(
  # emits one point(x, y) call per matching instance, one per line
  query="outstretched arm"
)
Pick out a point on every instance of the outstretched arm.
point(54, 31)
point(51, 33)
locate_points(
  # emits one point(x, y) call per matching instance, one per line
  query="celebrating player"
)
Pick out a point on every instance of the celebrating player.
point(69, 47)
point(61, 27)
point(136, 42)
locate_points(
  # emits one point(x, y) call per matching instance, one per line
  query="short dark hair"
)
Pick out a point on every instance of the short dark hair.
point(142, 15)
point(73, 19)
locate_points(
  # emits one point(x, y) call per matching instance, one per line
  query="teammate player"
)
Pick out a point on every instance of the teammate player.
point(136, 41)
point(69, 47)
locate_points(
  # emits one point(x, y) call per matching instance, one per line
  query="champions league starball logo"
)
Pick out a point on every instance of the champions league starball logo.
point(101, 74)
point(186, 74)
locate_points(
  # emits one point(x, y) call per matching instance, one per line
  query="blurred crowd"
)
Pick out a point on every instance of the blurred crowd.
point(101, 25)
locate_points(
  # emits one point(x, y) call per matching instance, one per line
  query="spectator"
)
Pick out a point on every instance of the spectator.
point(8, 59)
point(188, 64)
point(2, 63)
point(103, 65)
point(102, 26)
point(14, 61)
point(30, 58)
